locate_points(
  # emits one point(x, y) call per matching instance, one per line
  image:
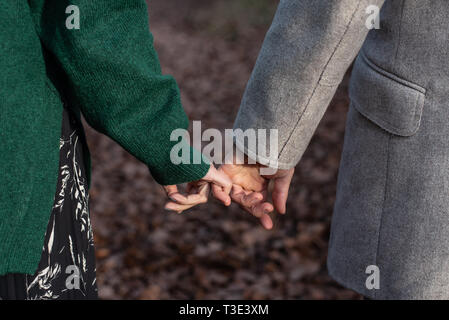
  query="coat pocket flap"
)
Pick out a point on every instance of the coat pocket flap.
point(392, 103)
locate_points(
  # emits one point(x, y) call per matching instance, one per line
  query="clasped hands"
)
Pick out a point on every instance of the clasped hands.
point(242, 183)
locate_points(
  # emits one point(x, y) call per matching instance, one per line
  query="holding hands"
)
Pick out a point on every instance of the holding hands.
point(244, 184)
point(198, 191)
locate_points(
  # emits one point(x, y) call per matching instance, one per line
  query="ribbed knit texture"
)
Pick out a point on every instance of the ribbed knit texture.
point(109, 70)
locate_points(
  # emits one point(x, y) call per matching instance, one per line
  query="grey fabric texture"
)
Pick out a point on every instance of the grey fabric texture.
point(392, 204)
point(306, 52)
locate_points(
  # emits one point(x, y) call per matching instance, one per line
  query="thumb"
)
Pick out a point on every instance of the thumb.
point(280, 191)
point(219, 178)
point(221, 184)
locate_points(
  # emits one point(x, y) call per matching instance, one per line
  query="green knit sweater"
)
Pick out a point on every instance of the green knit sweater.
point(107, 70)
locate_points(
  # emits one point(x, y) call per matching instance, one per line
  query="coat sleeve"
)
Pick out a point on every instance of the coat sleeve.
point(306, 52)
point(114, 77)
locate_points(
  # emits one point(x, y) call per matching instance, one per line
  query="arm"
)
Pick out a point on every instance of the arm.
point(304, 57)
point(113, 76)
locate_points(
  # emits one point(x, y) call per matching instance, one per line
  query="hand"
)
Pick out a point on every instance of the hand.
point(198, 191)
point(250, 190)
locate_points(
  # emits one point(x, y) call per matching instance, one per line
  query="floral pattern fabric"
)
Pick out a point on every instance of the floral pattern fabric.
point(67, 266)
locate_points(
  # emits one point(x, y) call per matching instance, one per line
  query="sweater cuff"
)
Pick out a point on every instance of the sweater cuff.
point(170, 173)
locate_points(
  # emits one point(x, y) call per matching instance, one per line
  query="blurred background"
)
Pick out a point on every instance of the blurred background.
point(213, 252)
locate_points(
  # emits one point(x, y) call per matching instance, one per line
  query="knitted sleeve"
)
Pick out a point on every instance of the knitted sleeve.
point(114, 77)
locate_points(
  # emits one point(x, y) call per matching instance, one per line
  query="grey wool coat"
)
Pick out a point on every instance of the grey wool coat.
point(392, 206)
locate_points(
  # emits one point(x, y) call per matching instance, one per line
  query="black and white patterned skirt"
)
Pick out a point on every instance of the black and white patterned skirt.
point(67, 266)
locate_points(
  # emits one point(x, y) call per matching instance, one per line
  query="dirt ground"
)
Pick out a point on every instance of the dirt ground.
point(212, 252)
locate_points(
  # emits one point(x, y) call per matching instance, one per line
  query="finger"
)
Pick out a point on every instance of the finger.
point(245, 198)
point(170, 190)
point(176, 207)
point(201, 196)
point(280, 192)
point(220, 195)
point(261, 209)
point(198, 194)
point(237, 194)
point(224, 181)
point(254, 205)
point(266, 222)
point(174, 195)
point(251, 201)
point(191, 199)
point(219, 178)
